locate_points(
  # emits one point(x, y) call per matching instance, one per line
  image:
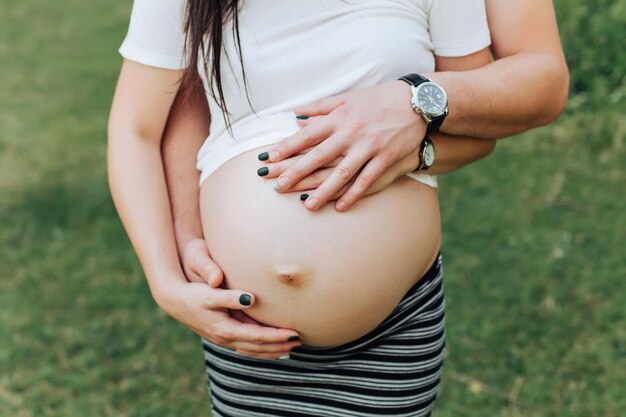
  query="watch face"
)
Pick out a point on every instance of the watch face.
point(431, 99)
point(429, 154)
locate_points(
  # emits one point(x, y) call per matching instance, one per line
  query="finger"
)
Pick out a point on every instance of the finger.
point(320, 156)
point(280, 355)
point(313, 180)
point(342, 190)
point(235, 331)
point(274, 169)
point(277, 168)
point(308, 120)
point(309, 135)
point(320, 107)
point(368, 175)
point(233, 299)
point(202, 264)
point(242, 317)
point(192, 276)
point(265, 347)
point(340, 176)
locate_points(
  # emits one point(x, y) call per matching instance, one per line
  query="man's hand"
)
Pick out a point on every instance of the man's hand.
point(312, 181)
point(198, 265)
point(216, 313)
point(372, 128)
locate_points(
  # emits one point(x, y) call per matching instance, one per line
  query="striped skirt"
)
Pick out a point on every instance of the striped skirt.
point(394, 370)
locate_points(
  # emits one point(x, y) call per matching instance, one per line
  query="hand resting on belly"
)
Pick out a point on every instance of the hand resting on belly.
point(331, 276)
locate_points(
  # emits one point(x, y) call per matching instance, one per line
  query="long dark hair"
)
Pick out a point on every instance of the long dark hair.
point(206, 18)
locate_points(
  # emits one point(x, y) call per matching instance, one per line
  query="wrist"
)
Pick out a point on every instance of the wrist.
point(184, 235)
point(416, 119)
point(164, 289)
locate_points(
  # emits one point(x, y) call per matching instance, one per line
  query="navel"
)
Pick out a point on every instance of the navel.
point(292, 277)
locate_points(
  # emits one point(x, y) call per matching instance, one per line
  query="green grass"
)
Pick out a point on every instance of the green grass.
point(533, 240)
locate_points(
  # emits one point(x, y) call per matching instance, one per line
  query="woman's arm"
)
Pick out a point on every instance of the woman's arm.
point(141, 105)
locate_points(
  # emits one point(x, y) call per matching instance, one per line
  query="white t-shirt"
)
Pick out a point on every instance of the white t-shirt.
point(296, 52)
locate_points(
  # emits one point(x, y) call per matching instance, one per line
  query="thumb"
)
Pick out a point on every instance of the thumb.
point(211, 272)
point(205, 267)
point(231, 299)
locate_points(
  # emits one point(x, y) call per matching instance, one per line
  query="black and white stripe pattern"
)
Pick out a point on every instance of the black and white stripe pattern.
point(394, 370)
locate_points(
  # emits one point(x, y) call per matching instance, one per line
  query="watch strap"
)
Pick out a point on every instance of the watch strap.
point(435, 124)
point(414, 79)
point(420, 154)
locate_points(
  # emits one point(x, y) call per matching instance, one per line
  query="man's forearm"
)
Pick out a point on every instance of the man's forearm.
point(454, 152)
point(527, 84)
point(187, 128)
point(506, 97)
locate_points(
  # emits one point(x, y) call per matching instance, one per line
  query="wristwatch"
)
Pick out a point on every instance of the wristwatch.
point(426, 155)
point(429, 100)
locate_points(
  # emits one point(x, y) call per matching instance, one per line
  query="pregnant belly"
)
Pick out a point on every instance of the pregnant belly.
point(331, 276)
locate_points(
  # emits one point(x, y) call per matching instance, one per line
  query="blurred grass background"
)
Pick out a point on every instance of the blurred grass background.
point(533, 241)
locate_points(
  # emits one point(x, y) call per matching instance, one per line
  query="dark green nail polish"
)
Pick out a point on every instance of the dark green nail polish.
point(293, 338)
point(304, 196)
point(302, 117)
point(244, 299)
point(263, 171)
point(264, 156)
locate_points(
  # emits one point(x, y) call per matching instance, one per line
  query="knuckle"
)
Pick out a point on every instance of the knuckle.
point(344, 173)
point(225, 334)
point(306, 135)
point(255, 339)
point(365, 179)
point(357, 125)
point(342, 111)
point(219, 340)
point(385, 158)
point(209, 300)
point(232, 300)
point(378, 139)
point(392, 155)
point(319, 153)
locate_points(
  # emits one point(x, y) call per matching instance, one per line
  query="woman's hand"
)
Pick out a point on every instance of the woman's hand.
point(373, 128)
point(308, 184)
point(216, 313)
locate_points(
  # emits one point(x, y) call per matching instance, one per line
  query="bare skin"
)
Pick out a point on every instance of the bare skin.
point(142, 101)
point(490, 102)
point(486, 103)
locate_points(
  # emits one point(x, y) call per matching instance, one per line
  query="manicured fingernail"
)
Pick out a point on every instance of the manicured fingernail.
point(304, 196)
point(293, 338)
point(263, 171)
point(283, 181)
point(273, 155)
point(302, 117)
point(244, 299)
point(283, 357)
point(312, 203)
point(276, 187)
point(263, 156)
point(341, 205)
